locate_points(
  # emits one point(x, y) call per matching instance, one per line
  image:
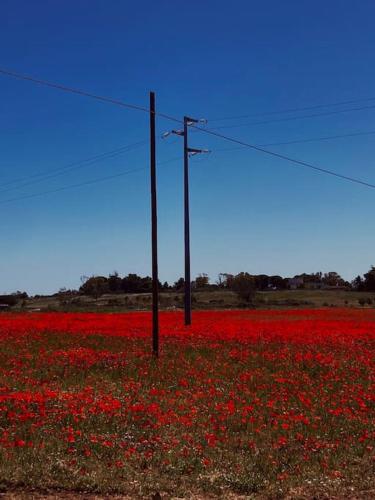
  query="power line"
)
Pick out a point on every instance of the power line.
point(73, 90)
point(91, 158)
point(94, 181)
point(85, 183)
point(211, 132)
point(292, 118)
point(301, 141)
point(40, 177)
point(293, 110)
point(287, 158)
point(118, 102)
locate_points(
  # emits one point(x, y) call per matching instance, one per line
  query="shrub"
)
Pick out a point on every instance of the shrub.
point(244, 285)
point(9, 300)
point(114, 302)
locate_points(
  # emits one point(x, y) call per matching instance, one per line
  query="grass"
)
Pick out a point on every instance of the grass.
point(211, 299)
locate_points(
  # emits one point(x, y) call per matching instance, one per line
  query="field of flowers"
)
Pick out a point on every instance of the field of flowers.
point(254, 403)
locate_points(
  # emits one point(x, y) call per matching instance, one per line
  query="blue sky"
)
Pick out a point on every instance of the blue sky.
point(206, 59)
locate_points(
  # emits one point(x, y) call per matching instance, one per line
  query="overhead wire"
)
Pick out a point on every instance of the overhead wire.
point(292, 110)
point(284, 157)
point(40, 177)
point(84, 183)
point(205, 130)
point(293, 118)
point(301, 141)
point(118, 102)
point(84, 93)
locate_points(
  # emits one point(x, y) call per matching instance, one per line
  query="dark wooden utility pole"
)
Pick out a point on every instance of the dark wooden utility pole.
point(154, 232)
point(187, 121)
point(187, 226)
point(193, 151)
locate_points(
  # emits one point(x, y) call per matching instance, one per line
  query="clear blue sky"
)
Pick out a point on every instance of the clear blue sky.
point(207, 59)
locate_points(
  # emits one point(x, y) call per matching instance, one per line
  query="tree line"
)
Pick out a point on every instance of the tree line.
point(243, 283)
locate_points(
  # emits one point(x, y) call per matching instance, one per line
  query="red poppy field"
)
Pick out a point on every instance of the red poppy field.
point(266, 404)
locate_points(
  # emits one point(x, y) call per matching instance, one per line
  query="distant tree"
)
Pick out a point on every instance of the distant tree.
point(202, 281)
point(95, 286)
point(278, 282)
point(132, 283)
point(114, 282)
point(311, 278)
point(358, 284)
point(220, 280)
point(229, 281)
point(165, 286)
point(244, 285)
point(146, 284)
point(179, 284)
point(9, 300)
point(261, 281)
point(369, 280)
point(225, 280)
point(332, 279)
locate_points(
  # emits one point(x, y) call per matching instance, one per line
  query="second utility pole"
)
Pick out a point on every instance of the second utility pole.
point(192, 151)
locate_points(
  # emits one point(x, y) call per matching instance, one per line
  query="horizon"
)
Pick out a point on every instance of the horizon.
point(212, 280)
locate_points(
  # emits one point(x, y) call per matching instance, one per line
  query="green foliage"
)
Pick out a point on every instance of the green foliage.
point(114, 282)
point(132, 283)
point(179, 284)
point(332, 279)
point(244, 285)
point(95, 286)
point(357, 283)
point(202, 281)
point(369, 280)
point(9, 300)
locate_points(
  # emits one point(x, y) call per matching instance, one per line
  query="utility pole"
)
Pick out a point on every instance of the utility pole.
point(187, 152)
point(187, 226)
point(154, 232)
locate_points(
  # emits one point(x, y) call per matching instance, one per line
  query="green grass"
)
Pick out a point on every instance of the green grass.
point(212, 299)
